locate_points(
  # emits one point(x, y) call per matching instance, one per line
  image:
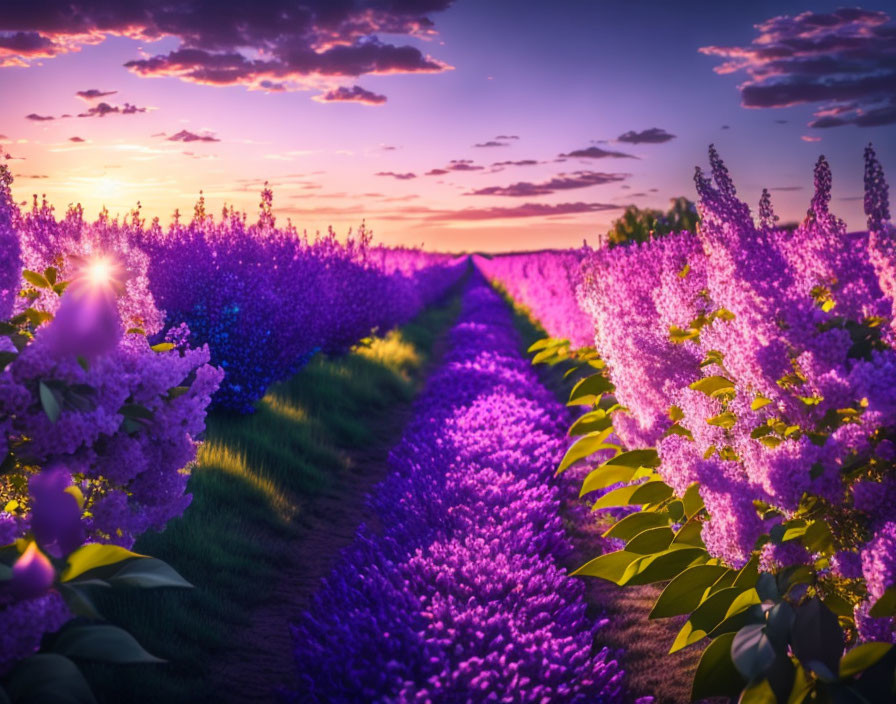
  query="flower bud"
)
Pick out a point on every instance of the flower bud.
point(32, 574)
point(55, 513)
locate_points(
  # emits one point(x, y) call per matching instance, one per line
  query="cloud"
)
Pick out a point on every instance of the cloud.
point(456, 165)
point(271, 45)
point(809, 138)
point(526, 210)
point(400, 177)
point(103, 109)
point(726, 127)
point(187, 136)
point(786, 188)
point(563, 182)
point(38, 118)
point(655, 135)
point(355, 94)
point(598, 153)
point(76, 139)
point(782, 122)
point(843, 62)
point(94, 93)
point(502, 140)
point(521, 162)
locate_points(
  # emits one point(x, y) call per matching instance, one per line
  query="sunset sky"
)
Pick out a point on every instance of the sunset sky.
point(467, 124)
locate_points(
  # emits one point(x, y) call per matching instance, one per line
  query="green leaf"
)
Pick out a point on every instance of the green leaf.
point(176, 392)
point(35, 279)
point(692, 500)
point(611, 566)
point(651, 540)
point(713, 385)
point(584, 447)
point(862, 657)
point(37, 317)
point(94, 555)
point(683, 594)
point(885, 606)
point(802, 686)
point(593, 421)
point(748, 574)
point(163, 347)
point(78, 600)
point(546, 342)
point(689, 534)
point(752, 652)
point(148, 573)
point(48, 677)
point(628, 527)
point(723, 420)
point(50, 274)
point(759, 692)
point(818, 538)
point(716, 675)
point(637, 458)
point(706, 617)
point(604, 476)
point(617, 497)
point(817, 636)
point(49, 402)
point(7, 358)
point(651, 492)
point(759, 402)
point(104, 643)
point(585, 391)
point(665, 565)
point(136, 411)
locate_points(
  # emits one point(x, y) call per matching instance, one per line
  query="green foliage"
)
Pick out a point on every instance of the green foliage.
point(771, 637)
point(640, 224)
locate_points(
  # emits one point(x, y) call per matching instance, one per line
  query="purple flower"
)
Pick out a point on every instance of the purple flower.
point(32, 574)
point(55, 513)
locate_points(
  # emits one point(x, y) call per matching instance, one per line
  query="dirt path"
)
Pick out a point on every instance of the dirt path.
point(649, 669)
point(262, 663)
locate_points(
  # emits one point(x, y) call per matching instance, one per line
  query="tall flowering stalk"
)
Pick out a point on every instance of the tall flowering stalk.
point(749, 382)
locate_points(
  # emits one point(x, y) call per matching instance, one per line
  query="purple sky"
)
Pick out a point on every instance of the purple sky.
point(462, 125)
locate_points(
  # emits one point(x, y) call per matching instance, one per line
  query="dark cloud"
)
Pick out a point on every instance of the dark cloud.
point(38, 118)
point(521, 162)
point(526, 210)
point(786, 188)
point(355, 94)
point(103, 109)
point(654, 135)
point(270, 45)
point(782, 122)
point(502, 140)
point(844, 62)
point(401, 177)
point(76, 139)
point(563, 182)
point(726, 127)
point(187, 136)
point(94, 93)
point(597, 153)
point(456, 165)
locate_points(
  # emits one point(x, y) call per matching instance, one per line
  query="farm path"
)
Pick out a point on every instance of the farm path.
point(261, 665)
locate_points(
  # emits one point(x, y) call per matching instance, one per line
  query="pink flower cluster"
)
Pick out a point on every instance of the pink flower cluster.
point(770, 352)
point(544, 282)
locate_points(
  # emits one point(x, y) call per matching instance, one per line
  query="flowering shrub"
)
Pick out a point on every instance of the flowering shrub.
point(545, 282)
point(459, 596)
point(266, 299)
point(97, 428)
point(749, 381)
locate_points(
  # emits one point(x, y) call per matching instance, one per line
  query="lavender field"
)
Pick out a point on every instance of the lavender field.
point(466, 385)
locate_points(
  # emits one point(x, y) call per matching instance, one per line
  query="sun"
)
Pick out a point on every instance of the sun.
point(108, 188)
